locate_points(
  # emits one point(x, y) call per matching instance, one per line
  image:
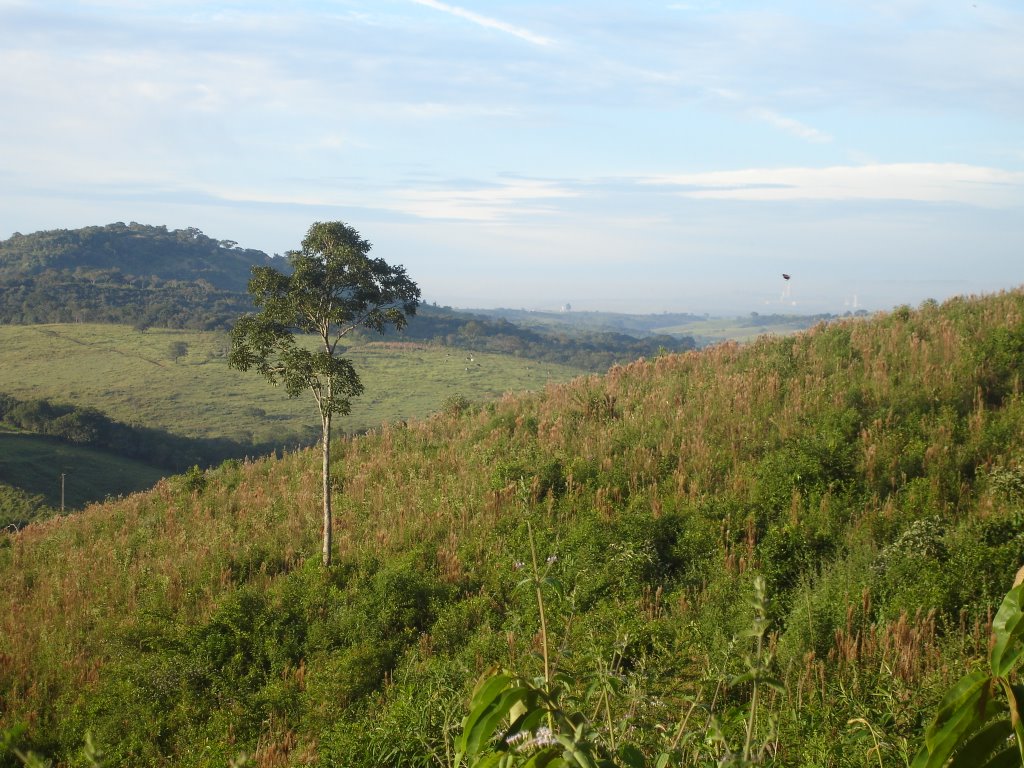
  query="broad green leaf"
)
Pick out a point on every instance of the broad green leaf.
point(483, 701)
point(1007, 628)
point(483, 731)
point(572, 753)
point(631, 757)
point(964, 709)
point(1015, 698)
point(976, 751)
point(546, 758)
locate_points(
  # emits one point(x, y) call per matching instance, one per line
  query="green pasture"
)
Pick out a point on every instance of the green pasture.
point(35, 465)
point(134, 377)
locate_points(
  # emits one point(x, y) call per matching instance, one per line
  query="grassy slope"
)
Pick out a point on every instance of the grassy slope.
point(130, 376)
point(871, 471)
point(35, 464)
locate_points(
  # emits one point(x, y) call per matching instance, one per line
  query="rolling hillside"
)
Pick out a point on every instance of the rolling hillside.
point(137, 377)
point(870, 471)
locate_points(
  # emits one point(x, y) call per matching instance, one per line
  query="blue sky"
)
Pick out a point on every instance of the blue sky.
point(627, 156)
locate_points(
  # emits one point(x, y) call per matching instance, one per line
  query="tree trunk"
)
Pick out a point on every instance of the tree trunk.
point(326, 441)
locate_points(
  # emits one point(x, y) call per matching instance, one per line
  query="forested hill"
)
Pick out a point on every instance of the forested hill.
point(125, 273)
point(131, 251)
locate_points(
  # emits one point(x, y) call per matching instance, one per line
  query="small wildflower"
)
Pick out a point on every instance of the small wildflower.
point(542, 737)
point(526, 741)
point(518, 565)
point(552, 559)
point(517, 738)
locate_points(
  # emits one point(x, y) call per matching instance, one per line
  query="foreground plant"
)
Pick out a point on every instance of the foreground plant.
point(979, 724)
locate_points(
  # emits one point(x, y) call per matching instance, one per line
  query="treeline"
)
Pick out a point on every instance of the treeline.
point(86, 426)
point(590, 350)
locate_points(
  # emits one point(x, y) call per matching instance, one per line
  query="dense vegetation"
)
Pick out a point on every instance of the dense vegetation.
point(135, 274)
point(870, 471)
point(151, 277)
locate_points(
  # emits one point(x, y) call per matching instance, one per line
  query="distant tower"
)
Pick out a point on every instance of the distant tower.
point(786, 290)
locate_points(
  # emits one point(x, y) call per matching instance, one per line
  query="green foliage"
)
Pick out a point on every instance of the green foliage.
point(979, 722)
point(136, 274)
point(18, 507)
point(455, 405)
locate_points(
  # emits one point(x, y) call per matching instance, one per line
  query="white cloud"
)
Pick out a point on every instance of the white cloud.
point(921, 182)
point(485, 21)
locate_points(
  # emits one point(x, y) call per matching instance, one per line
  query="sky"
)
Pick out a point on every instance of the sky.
point(620, 156)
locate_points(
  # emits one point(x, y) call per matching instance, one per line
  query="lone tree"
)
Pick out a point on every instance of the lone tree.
point(334, 288)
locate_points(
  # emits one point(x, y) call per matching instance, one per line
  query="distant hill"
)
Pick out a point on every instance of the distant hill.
point(132, 251)
point(125, 273)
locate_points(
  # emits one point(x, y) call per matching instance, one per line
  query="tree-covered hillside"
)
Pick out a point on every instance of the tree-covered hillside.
point(870, 471)
point(135, 274)
point(131, 250)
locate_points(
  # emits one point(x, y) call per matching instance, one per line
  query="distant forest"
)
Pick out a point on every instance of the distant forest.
point(149, 276)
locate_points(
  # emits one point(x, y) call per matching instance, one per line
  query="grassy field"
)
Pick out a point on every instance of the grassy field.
point(134, 377)
point(35, 464)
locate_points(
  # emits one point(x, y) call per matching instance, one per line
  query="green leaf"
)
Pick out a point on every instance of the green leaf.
point(975, 752)
point(484, 729)
point(544, 759)
point(483, 700)
point(631, 756)
point(1007, 629)
point(1008, 758)
point(1014, 697)
point(573, 754)
point(964, 709)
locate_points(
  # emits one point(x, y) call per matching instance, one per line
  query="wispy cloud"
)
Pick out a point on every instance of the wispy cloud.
point(465, 201)
point(921, 182)
point(486, 21)
point(791, 126)
point(481, 204)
